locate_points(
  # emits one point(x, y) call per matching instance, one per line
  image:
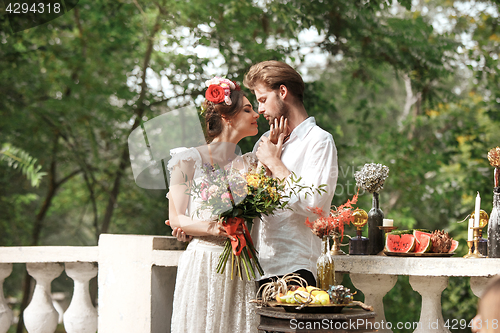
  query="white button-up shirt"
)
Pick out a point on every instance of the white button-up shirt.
point(283, 241)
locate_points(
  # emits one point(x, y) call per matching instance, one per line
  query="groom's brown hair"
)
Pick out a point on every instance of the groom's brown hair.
point(273, 74)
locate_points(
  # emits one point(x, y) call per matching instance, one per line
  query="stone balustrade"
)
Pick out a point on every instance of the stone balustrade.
point(135, 284)
point(376, 275)
point(136, 281)
point(44, 264)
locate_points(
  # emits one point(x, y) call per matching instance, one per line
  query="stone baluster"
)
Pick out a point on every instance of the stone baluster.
point(81, 316)
point(375, 287)
point(5, 311)
point(478, 284)
point(431, 315)
point(40, 316)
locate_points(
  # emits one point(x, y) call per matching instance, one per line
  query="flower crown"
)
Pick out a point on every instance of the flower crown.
point(219, 90)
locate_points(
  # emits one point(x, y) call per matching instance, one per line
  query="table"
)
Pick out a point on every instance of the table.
point(276, 319)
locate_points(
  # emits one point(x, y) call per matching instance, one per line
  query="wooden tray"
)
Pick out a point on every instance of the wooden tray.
point(311, 308)
point(316, 308)
point(412, 254)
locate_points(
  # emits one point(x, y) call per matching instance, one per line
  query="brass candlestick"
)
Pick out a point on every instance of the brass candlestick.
point(469, 254)
point(476, 253)
point(336, 251)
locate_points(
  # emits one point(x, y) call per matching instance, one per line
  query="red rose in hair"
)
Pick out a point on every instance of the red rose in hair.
point(215, 94)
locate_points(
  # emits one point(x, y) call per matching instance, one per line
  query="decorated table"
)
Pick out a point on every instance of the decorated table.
point(427, 257)
point(375, 276)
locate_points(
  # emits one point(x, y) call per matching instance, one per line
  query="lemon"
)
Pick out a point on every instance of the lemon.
point(318, 292)
point(309, 288)
point(324, 298)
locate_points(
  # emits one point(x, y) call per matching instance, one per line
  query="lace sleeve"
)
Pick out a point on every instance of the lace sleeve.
point(250, 160)
point(183, 154)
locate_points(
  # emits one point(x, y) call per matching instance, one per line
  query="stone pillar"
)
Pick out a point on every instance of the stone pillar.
point(431, 315)
point(136, 283)
point(478, 284)
point(124, 283)
point(375, 287)
point(6, 315)
point(81, 316)
point(40, 316)
point(339, 277)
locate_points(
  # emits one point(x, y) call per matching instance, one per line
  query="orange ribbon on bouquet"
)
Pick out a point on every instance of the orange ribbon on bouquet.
point(231, 225)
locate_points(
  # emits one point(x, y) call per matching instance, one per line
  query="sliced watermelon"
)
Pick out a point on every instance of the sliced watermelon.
point(454, 246)
point(423, 241)
point(400, 243)
point(401, 232)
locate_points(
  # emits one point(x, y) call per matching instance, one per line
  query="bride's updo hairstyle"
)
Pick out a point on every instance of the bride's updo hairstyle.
point(224, 99)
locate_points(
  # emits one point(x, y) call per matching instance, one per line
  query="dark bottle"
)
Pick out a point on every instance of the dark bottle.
point(358, 245)
point(482, 246)
point(494, 226)
point(375, 220)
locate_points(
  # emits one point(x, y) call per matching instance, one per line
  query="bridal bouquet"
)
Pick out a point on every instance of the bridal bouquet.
point(237, 198)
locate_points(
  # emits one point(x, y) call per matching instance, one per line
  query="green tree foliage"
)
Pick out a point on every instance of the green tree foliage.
point(19, 159)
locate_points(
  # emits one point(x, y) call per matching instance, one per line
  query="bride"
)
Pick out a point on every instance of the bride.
point(204, 300)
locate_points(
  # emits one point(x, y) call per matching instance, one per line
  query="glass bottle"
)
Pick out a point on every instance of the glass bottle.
point(375, 220)
point(325, 266)
point(494, 226)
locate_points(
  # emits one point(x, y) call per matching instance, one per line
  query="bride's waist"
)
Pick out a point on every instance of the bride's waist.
point(210, 243)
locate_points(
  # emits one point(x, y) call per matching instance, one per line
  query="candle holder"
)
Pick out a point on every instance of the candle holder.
point(470, 244)
point(476, 253)
point(387, 229)
point(336, 251)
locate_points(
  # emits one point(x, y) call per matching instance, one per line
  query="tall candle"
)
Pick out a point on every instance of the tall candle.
point(470, 235)
point(477, 210)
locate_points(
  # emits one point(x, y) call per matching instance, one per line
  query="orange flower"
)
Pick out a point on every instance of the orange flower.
point(335, 221)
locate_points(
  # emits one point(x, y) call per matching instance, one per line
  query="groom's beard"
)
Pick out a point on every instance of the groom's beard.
point(282, 110)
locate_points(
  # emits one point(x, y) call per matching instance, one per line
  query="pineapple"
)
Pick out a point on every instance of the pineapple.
point(340, 294)
point(441, 242)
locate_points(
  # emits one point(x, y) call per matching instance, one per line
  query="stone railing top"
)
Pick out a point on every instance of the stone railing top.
point(38, 254)
point(165, 251)
point(420, 266)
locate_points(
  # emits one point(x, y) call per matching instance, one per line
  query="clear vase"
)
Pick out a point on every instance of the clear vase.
point(325, 266)
point(494, 226)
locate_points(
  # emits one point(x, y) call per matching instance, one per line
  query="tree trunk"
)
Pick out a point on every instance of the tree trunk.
point(124, 159)
point(409, 101)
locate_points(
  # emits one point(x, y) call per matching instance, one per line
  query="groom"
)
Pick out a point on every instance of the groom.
point(284, 243)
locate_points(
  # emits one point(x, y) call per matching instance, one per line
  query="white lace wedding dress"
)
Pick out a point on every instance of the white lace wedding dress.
point(204, 300)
